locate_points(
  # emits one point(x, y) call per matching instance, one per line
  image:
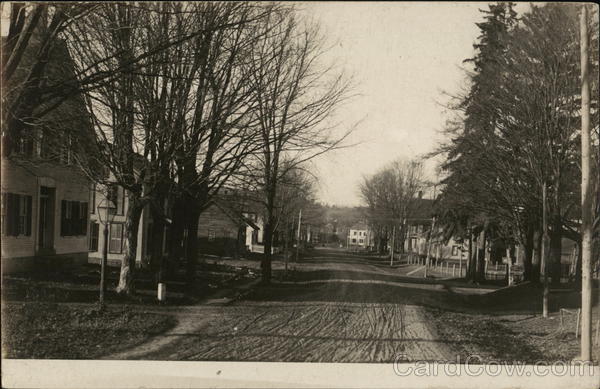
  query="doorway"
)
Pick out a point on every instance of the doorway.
point(46, 224)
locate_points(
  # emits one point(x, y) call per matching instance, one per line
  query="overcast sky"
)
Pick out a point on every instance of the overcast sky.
point(404, 56)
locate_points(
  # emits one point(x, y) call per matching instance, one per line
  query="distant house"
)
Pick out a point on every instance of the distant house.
point(44, 195)
point(360, 236)
point(224, 232)
point(419, 226)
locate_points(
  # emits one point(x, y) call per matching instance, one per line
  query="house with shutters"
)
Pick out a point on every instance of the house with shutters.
point(44, 195)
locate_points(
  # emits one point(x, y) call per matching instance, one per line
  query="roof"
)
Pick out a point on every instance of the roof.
point(359, 226)
point(233, 215)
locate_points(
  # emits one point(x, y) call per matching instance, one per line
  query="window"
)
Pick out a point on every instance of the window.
point(45, 147)
point(16, 214)
point(73, 219)
point(454, 250)
point(361, 241)
point(353, 240)
point(115, 238)
point(116, 194)
point(354, 233)
point(94, 234)
point(24, 145)
point(211, 235)
point(65, 151)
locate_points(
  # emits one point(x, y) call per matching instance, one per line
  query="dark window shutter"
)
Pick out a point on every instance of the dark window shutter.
point(75, 219)
point(28, 216)
point(15, 216)
point(63, 218)
point(84, 218)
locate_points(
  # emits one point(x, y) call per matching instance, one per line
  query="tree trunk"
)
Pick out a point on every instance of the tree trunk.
point(528, 255)
point(191, 247)
point(536, 260)
point(481, 245)
point(132, 223)
point(472, 258)
point(193, 207)
point(265, 264)
point(178, 224)
point(555, 249)
point(578, 264)
point(156, 245)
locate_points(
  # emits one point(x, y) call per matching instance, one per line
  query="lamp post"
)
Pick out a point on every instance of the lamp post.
point(109, 209)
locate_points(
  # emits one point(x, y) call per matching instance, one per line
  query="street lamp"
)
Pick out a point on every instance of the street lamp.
point(109, 209)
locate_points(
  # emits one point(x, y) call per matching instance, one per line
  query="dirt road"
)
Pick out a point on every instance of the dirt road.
point(334, 307)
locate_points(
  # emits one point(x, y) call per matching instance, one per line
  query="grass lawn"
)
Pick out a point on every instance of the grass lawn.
point(515, 330)
point(74, 331)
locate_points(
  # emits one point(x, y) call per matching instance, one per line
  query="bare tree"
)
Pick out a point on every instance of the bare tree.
point(391, 196)
point(149, 118)
point(216, 125)
point(295, 95)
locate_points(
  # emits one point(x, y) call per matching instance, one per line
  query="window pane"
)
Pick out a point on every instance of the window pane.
point(116, 238)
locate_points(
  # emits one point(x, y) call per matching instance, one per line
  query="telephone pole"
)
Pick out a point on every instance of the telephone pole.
point(298, 237)
point(586, 196)
point(392, 246)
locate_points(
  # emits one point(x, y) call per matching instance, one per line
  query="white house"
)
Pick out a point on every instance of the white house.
point(360, 235)
point(44, 211)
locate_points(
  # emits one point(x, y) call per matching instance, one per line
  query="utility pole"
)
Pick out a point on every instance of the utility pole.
point(429, 246)
point(586, 196)
point(460, 263)
point(298, 237)
point(545, 253)
point(392, 246)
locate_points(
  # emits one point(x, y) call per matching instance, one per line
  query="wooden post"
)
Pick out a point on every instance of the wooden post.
point(508, 266)
point(298, 236)
point(453, 270)
point(392, 246)
point(460, 263)
point(586, 195)
point(429, 246)
point(597, 331)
